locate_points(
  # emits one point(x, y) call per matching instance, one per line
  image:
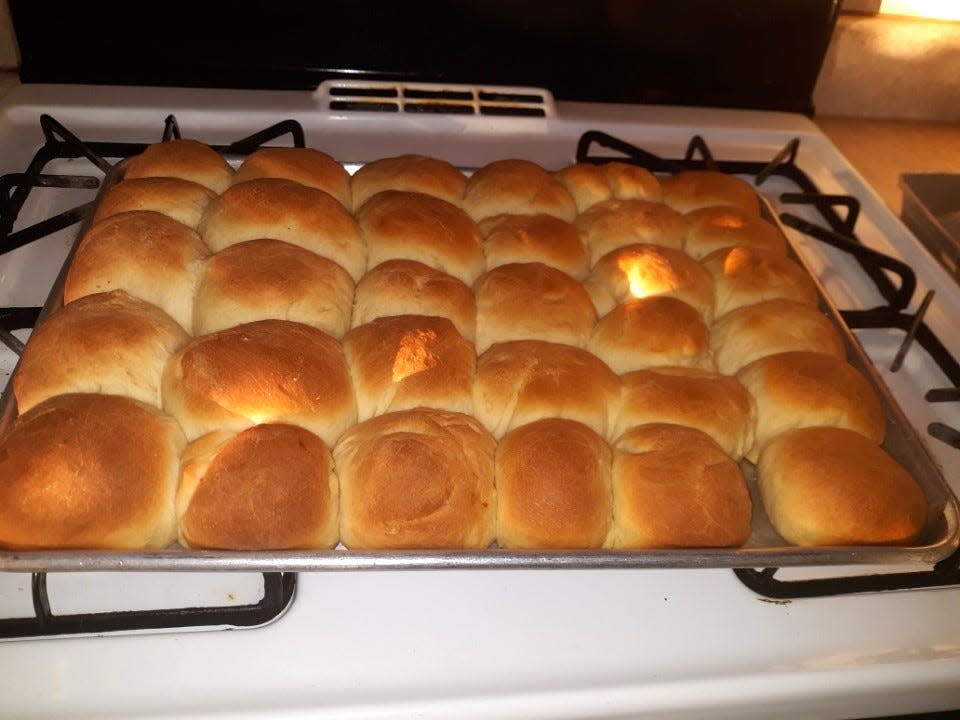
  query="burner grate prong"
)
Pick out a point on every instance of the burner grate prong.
point(911, 333)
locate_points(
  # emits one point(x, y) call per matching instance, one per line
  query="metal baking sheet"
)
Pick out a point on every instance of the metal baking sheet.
point(764, 549)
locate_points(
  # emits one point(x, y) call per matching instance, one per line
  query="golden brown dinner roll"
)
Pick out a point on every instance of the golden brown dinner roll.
point(830, 486)
point(182, 200)
point(146, 254)
point(185, 159)
point(774, 326)
point(716, 404)
point(652, 332)
point(715, 228)
point(406, 361)
point(108, 343)
point(286, 210)
point(263, 371)
point(553, 486)
point(407, 287)
point(639, 271)
point(692, 189)
point(414, 226)
point(306, 166)
point(613, 224)
point(262, 279)
point(525, 380)
point(806, 389)
point(269, 487)
point(534, 238)
point(590, 184)
point(516, 187)
point(746, 275)
point(674, 486)
point(531, 300)
point(419, 478)
point(411, 173)
point(89, 471)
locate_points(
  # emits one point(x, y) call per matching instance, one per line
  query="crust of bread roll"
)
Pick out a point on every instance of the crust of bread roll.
point(286, 210)
point(182, 200)
point(407, 287)
point(830, 486)
point(146, 254)
point(745, 276)
point(716, 228)
point(413, 226)
point(713, 403)
point(534, 238)
point(531, 300)
point(265, 371)
point(90, 471)
point(613, 224)
point(806, 389)
point(417, 478)
point(521, 381)
point(589, 184)
point(408, 361)
point(184, 159)
point(516, 187)
point(306, 166)
point(411, 173)
point(553, 486)
point(108, 343)
point(673, 486)
point(269, 487)
point(693, 189)
point(263, 279)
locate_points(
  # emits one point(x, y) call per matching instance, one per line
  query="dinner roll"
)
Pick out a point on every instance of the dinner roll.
point(652, 332)
point(413, 226)
point(692, 189)
point(831, 486)
point(532, 300)
point(553, 486)
point(589, 183)
point(674, 487)
point(521, 381)
point(264, 371)
point(407, 361)
point(108, 343)
point(411, 173)
point(805, 389)
point(517, 187)
point(306, 166)
point(407, 287)
point(774, 326)
point(185, 159)
point(747, 275)
point(286, 210)
point(716, 404)
point(534, 238)
point(419, 478)
point(715, 228)
point(146, 254)
point(182, 200)
point(269, 487)
point(263, 279)
point(613, 224)
point(89, 471)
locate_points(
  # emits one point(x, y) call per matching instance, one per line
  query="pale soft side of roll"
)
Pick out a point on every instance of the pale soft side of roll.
point(516, 187)
point(144, 253)
point(521, 381)
point(108, 343)
point(830, 486)
point(534, 238)
point(306, 166)
point(408, 361)
point(286, 210)
point(553, 486)
point(716, 228)
point(419, 479)
point(269, 487)
point(613, 224)
point(770, 327)
point(407, 287)
point(532, 301)
point(674, 487)
point(265, 371)
point(183, 158)
point(182, 200)
point(264, 279)
point(693, 189)
point(411, 173)
point(808, 389)
point(589, 183)
point(89, 471)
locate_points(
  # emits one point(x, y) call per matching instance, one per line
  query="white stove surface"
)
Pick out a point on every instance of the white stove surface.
point(493, 643)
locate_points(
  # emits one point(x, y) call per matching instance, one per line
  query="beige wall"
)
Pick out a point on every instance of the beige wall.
point(9, 54)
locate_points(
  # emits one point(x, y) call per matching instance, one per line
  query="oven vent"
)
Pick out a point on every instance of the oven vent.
point(389, 97)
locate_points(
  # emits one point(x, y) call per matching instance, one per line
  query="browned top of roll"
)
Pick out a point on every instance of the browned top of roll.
point(413, 173)
point(715, 228)
point(182, 200)
point(534, 238)
point(517, 187)
point(590, 184)
point(748, 275)
point(613, 224)
point(692, 189)
point(89, 471)
point(306, 166)
point(186, 159)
